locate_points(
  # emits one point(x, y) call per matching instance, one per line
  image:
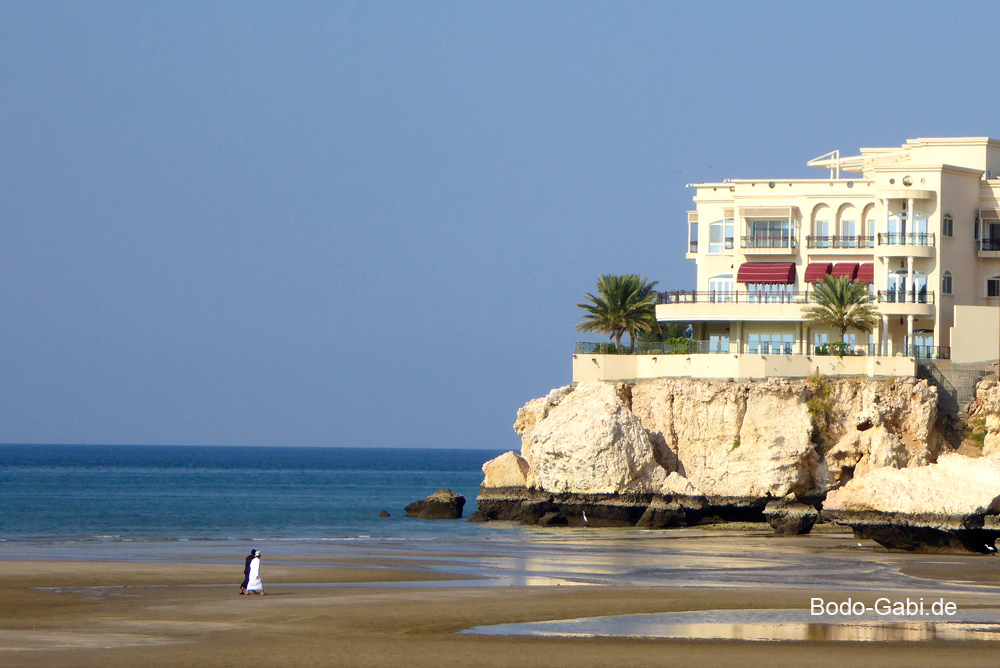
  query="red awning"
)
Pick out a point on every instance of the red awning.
point(766, 272)
point(866, 273)
point(817, 270)
point(849, 269)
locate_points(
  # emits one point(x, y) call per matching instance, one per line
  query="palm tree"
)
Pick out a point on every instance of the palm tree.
point(623, 304)
point(842, 303)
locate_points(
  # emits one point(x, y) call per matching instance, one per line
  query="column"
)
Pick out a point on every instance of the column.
point(802, 338)
point(909, 276)
point(911, 351)
point(885, 274)
point(909, 217)
point(885, 215)
point(885, 336)
point(736, 340)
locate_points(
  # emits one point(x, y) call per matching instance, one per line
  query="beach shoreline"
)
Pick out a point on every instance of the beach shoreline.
point(352, 608)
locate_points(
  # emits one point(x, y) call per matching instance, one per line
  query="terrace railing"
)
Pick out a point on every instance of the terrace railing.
point(672, 347)
point(927, 352)
point(733, 297)
point(899, 239)
point(989, 244)
point(905, 297)
point(840, 242)
point(760, 241)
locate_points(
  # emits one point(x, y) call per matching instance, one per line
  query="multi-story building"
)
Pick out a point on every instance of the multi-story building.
point(920, 224)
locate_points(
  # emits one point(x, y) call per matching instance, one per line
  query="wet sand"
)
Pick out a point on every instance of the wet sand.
point(185, 614)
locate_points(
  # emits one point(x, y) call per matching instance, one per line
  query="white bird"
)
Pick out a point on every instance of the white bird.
point(584, 516)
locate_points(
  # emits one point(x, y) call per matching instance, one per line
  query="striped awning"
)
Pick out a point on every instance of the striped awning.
point(848, 269)
point(866, 273)
point(782, 273)
point(817, 270)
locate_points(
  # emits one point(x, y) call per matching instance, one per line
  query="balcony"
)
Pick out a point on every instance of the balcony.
point(927, 352)
point(724, 306)
point(840, 243)
point(732, 297)
point(896, 244)
point(902, 302)
point(768, 245)
point(988, 248)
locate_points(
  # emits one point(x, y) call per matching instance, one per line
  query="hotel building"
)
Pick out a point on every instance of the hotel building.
point(919, 224)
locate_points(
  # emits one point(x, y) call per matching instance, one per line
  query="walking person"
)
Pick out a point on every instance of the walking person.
point(246, 572)
point(254, 584)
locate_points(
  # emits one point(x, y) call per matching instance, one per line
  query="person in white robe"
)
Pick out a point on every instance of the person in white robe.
point(254, 584)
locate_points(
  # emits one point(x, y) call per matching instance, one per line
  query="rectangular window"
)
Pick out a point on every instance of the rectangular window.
point(715, 232)
point(769, 234)
point(730, 229)
point(766, 344)
point(820, 338)
point(849, 234)
point(718, 343)
point(693, 237)
point(993, 287)
point(822, 234)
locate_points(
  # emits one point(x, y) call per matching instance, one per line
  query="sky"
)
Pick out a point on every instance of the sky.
point(368, 224)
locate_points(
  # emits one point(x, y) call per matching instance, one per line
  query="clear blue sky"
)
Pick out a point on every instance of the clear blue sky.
point(368, 224)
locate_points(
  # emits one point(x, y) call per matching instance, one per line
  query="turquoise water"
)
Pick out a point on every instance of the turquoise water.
point(167, 493)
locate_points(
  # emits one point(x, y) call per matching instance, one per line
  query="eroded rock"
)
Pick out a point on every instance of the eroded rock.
point(943, 506)
point(443, 504)
point(789, 517)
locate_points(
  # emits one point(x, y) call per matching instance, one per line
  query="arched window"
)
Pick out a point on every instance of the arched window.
point(721, 288)
point(947, 226)
point(946, 283)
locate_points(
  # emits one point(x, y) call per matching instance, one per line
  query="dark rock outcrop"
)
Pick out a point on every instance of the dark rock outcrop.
point(441, 505)
point(789, 517)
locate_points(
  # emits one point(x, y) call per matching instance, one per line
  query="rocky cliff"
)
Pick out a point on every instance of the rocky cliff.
point(671, 451)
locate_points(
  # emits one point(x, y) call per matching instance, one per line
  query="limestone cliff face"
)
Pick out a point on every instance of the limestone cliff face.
point(762, 439)
point(587, 441)
point(986, 408)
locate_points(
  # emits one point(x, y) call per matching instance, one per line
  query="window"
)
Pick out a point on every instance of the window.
point(975, 230)
point(993, 287)
point(770, 343)
point(718, 343)
point(849, 232)
point(769, 234)
point(769, 293)
point(820, 339)
point(851, 340)
point(692, 237)
point(721, 287)
point(822, 228)
point(720, 236)
point(946, 283)
point(948, 226)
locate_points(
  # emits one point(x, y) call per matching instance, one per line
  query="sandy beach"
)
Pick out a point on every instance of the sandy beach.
point(188, 612)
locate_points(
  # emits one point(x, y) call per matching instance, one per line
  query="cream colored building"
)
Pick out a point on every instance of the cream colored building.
point(919, 223)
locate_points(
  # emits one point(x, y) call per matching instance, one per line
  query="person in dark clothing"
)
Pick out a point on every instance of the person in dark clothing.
point(246, 572)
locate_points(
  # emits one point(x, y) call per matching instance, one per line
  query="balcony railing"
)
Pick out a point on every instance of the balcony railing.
point(927, 352)
point(899, 239)
point(989, 244)
point(839, 242)
point(905, 297)
point(673, 347)
point(732, 297)
point(779, 241)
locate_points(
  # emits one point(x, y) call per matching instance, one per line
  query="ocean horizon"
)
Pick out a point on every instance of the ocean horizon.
point(79, 494)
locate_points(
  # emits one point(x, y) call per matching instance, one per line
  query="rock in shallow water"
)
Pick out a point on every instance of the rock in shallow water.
point(789, 517)
point(443, 504)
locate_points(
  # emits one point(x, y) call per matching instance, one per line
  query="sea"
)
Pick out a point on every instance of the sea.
point(54, 496)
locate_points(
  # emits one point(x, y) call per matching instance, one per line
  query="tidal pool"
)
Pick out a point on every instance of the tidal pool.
point(766, 625)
